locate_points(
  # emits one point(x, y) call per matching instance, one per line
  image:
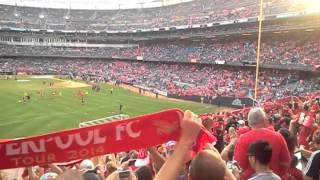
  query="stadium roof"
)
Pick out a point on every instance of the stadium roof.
point(92, 4)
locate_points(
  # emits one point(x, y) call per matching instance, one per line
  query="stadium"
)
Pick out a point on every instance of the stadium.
point(159, 89)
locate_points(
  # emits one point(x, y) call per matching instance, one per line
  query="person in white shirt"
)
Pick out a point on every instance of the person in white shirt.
point(260, 154)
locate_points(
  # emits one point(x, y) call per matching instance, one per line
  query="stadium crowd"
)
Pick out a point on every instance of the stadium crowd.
point(251, 143)
point(188, 13)
point(278, 140)
point(178, 79)
point(301, 51)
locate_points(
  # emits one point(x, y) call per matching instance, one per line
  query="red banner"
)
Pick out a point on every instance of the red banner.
point(135, 133)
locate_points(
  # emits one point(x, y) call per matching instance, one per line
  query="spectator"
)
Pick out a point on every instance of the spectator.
point(294, 172)
point(206, 165)
point(280, 155)
point(144, 173)
point(312, 170)
point(119, 175)
point(259, 155)
point(290, 141)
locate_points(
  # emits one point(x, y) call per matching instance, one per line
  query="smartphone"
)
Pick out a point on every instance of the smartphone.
point(124, 174)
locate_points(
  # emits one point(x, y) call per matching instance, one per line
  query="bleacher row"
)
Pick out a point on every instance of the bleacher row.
point(195, 12)
point(177, 79)
point(287, 50)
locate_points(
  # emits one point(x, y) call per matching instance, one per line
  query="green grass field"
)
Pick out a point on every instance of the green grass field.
point(52, 113)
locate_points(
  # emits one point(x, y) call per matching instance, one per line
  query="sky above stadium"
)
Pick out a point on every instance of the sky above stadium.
point(92, 4)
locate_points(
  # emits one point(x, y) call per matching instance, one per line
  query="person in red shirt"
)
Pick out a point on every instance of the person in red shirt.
point(294, 172)
point(304, 119)
point(243, 128)
point(280, 160)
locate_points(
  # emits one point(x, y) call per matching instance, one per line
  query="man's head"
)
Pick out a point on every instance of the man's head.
point(257, 118)
point(315, 143)
point(91, 176)
point(144, 173)
point(122, 175)
point(207, 165)
point(260, 154)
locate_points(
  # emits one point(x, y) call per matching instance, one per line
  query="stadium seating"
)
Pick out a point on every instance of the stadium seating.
point(289, 99)
point(298, 51)
point(195, 12)
point(178, 79)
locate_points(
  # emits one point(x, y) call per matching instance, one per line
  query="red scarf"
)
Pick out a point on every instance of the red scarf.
point(135, 133)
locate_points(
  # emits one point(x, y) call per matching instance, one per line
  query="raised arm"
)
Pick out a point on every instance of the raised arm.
point(190, 127)
point(157, 159)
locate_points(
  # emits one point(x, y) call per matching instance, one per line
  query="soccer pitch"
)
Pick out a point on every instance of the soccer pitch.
point(60, 107)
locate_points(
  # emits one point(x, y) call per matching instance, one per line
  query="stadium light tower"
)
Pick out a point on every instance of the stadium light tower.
point(260, 19)
point(16, 14)
point(67, 16)
point(42, 13)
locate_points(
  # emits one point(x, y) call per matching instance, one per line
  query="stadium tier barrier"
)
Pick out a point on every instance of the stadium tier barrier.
point(227, 101)
point(234, 102)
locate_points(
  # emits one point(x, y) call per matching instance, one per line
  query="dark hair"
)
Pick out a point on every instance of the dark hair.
point(262, 151)
point(294, 161)
point(144, 173)
point(290, 140)
point(90, 176)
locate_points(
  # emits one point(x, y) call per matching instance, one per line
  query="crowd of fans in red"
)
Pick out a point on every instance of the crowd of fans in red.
point(302, 51)
point(280, 140)
point(251, 143)
point(178, 79)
